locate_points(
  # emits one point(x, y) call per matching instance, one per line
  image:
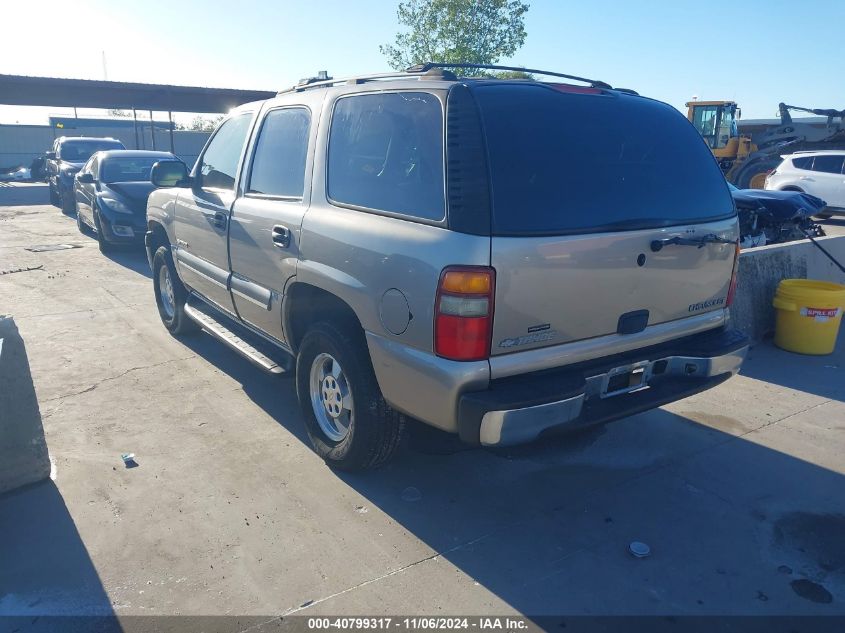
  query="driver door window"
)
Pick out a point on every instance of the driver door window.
point(219, 163)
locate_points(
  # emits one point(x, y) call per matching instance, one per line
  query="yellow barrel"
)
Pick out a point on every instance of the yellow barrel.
point(808, 315)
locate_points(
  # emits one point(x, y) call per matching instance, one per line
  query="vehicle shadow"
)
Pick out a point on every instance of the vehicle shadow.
point(820, 375)
point(735, 527)
point(133, 257)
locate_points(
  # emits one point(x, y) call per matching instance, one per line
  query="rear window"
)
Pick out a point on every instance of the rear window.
point(805, 162)
point(81, 151)
point(572, 163)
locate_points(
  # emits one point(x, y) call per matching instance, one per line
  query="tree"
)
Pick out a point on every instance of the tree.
point(468, 31)
point(201, 124)
point(117, 112)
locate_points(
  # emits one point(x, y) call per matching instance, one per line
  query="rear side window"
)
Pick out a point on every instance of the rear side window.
point(573, 163)
point(828, 164)
point(805, 162)
point(219, 162)
point(278, 168)
point(386, 154)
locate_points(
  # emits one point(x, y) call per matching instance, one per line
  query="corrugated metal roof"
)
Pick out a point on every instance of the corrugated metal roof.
point(87, 93)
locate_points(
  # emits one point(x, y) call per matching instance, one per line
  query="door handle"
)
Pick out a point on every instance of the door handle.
point(219, 220)
point(281, 236)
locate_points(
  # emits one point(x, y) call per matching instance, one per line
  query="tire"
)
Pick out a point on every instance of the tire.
point(172, 309)
point(80, 224)
point(752, 169)
point(374, 430)
point(68, 205)
point(102, 243)
point(54, 197)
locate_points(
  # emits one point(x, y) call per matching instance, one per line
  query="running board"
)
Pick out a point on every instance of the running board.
point(225, 334)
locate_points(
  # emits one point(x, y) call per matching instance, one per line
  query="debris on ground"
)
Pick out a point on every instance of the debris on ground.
point(24, 269)
point(411, 494)
point(639, 549)
point(43, 248)
point(129, 460)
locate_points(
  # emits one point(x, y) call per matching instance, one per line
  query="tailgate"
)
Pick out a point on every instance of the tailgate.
point(554, 290)
point(582, 182)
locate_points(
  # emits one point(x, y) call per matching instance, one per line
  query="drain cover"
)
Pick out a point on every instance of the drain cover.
point(43, 248)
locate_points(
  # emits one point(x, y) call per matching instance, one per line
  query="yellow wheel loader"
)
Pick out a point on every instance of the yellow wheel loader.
point(746, 160)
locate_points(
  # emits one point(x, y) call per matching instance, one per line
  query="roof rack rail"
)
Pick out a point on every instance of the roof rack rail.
point(429, 69)
point(423, 68)
point(319, 82)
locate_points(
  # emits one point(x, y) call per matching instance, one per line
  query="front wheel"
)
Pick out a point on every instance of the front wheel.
point(104, 245)
point(55, 200)
point(348, 421)
point(171, 295)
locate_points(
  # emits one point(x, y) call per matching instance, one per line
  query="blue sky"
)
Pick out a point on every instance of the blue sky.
point(753, 51)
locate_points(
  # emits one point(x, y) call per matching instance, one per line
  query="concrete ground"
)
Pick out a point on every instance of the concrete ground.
point(737, 491)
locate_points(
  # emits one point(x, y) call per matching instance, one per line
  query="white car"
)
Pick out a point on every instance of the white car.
point(821, 174)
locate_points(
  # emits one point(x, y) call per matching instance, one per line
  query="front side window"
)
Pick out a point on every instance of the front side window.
point(278, 168)
point(704, 120)
point(219, 163)
point(386, 153)
point(828, 164)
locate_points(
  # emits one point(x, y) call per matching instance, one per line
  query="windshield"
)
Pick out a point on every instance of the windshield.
point(563, 163)
point(127, 169)
point(80, 151)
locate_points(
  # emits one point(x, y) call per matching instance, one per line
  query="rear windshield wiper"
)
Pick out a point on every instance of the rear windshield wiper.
point(699, 242)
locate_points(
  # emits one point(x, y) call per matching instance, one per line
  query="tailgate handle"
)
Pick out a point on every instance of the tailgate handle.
point(632, 322)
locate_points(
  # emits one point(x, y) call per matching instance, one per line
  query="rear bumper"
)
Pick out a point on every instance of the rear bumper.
point(521, 408)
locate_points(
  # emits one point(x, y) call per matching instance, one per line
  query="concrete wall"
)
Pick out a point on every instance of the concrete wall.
point(19, 144)
point(761, 269)
point(23, 451)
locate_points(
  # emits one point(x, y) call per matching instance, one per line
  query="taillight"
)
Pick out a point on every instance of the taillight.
point(732, 287)
point(463, 312)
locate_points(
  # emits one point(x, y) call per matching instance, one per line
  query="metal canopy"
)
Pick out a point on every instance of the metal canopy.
point(84, 93)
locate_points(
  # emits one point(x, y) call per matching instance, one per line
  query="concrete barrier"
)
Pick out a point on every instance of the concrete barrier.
point(762, 268)
point(23, 451)
point(23, 194)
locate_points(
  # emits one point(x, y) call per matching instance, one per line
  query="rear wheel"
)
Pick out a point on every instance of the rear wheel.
point(752, 173)
point(170, 294)
point(348, 421)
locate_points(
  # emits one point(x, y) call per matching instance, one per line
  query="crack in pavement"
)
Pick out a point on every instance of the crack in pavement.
point(120, 375)
point(425, 559)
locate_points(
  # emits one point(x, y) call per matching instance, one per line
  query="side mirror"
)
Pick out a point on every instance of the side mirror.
point(170, 173)
point(86, 178)
point(50, 155)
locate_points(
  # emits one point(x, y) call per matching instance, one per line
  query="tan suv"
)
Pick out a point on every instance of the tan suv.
point(497, 258)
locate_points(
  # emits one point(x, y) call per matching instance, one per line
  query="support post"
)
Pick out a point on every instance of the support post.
point(135, 125)
point(152, 130)
point(170, 118)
